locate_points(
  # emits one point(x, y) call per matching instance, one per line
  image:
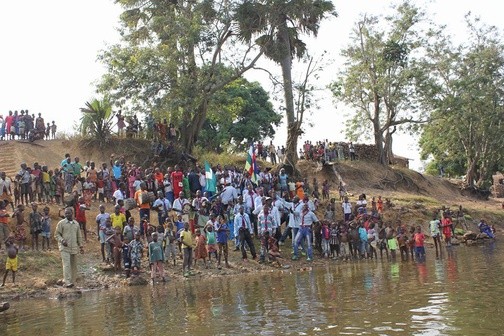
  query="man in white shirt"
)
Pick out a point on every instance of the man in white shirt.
point(243, 230)
point(180, 201)
point(307, 219)
point(228, 194)
point(162, 205)
point(119, 194)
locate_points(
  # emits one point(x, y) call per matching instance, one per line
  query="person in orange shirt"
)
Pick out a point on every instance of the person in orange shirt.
point(158, 177)
point(379, 205)
point(299, 189)
point(144, 207)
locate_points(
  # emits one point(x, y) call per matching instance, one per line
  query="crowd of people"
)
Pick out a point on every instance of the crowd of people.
point(199, 214)
point(20, 125)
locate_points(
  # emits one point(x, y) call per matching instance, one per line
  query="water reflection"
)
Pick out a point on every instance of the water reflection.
point(446, 296)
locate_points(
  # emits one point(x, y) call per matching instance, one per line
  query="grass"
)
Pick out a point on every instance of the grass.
point(224, 159)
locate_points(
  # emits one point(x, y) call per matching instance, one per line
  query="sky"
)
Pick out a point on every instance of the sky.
point(48, 62)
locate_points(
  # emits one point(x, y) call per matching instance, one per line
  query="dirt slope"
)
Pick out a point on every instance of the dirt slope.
point(51, 152)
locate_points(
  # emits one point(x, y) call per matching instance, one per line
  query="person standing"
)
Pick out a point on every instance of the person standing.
point(69, 238)
point(243, 230)
point(351, 150)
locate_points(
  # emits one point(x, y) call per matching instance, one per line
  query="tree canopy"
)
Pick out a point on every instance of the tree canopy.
point(239, 114)
point(169, 62)
point(463, 87)
point(377, 79)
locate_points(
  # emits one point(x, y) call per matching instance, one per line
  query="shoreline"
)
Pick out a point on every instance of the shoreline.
point(99, 276)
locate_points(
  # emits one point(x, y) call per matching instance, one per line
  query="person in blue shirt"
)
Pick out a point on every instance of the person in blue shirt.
point(222, 230)
point(364, 245)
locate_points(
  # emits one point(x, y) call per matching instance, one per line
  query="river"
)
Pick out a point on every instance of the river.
point(460, 294)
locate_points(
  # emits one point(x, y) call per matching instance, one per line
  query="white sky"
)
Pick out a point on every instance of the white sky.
point(49, 48)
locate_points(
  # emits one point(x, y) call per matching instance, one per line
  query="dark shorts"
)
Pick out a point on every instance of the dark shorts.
point(420, 250)
point(25, 188)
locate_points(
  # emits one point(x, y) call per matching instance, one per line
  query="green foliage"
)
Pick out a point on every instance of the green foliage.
point(237, 115)
point(463, 88)
point(97, 119)
point(378, 77)
point(173, 58)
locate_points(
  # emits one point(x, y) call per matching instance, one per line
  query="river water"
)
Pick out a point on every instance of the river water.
point(460, 294)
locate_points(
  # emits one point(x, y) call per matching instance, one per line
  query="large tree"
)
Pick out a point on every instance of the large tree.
point(169, 61)
point(277, 27)
point(463, 86)
point(377, 78)
point(238, 114)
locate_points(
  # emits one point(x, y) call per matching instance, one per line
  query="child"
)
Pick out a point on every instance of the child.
point(53, 130)
point(116, 240)
point(109, 233)
point(446, 224)
point(4, 222)
point(35, 226)
point(419, 239)
point(329, 213)
point(48, 131)
point(200, 249)
point(379, 205)
point(179, 227)
point(170, 241)
point(20, 232)
point(326, 236)
point(12, 260)
point(372, 239)
point(187, 247)
point(46, 185)
point(126, 257)
point(46, 228)
point(156, 258)
point(211, 241)
point(334, 241)
point(274, 252)
point(344, 242)
point(392, 243)
point(325, 190)
point(136, 252)
point(222, 241)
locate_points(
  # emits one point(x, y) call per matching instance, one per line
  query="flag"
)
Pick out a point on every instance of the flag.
point(211, 185)
point(251, 165)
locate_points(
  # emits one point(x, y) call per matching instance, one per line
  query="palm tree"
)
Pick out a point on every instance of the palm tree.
point(97, 119)
point(276, 26)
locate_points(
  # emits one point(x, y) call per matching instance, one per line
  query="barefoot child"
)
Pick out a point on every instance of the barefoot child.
point(222, 240)
point(156, 258)
point(274, 252)
point(200, 252)
point(187, 247)
point(211, 242)
point(46, 228)
point(20, 231)
point(12, 259)
point(116, 241)
point(126, 257)
point(170, 244)
point(419, 239)
point(35, 226)
point(136, 252)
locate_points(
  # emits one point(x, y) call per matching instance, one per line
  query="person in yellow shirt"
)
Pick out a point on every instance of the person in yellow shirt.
point(118, 219)
point(46, 184)
point(187, 246)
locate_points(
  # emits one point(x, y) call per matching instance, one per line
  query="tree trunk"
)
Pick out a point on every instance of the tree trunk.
point(387, 148)
point(470, 172)
point(292, 124)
